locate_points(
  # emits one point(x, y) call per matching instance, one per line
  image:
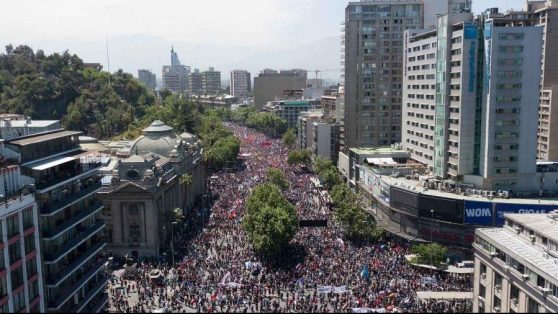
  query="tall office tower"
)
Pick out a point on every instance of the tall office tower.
point(211, 82)
point(175, 76)
point(373, 64)
point(546, 14)
point(240, 83)
point(71, 229)
point(462, 112)
point(147, 78)
point(271, 85)
point(174, 58)
point(22, 274)
point(195, 82)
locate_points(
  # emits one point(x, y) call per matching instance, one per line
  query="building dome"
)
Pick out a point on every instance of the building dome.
point(158, 138)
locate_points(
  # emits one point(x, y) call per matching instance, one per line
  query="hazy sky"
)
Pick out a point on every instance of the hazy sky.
point(249, 27)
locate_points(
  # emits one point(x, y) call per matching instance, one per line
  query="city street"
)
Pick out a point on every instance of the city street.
point(218, 271)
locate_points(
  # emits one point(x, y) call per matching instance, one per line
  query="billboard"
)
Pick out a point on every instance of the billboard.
point(478, 213)
point(500, 209)
point(404, 200)
point(374, 183)
point(445, 209)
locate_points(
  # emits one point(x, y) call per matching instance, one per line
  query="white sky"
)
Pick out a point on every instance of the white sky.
point(259, 26)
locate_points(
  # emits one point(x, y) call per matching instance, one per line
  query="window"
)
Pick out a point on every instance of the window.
point(17, 277)
point(510, 61)
point(14, 251)
point(3, 287)
point(532, 306)
point(505, 49)
point(13, 225)
point(512, 36)
point(31, 267)
point(27, 218)
point(509, 74)
point(133, 210)
point(29, 243)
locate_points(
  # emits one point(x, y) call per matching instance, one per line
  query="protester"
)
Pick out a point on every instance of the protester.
point(219, 271)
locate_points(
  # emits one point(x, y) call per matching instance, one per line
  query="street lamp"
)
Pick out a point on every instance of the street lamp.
point(431, 242)
point(172, 240)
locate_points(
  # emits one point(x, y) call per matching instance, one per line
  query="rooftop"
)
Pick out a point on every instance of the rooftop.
point(378, 150)
point(416, 186)
point(37, 138)
point(542, 223)
point(31, 124)
point(528, 254)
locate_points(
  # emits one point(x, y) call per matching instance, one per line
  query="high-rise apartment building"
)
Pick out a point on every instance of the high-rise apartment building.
point(175, 76)
point(147, 78)
point(70, 225)
point(546, 15)
point(373, 55)
point(211, 82)
point(469, 87)
point(240, 83)
point(21, 279)
point(195, 82)
point(271, 85)
point(516, 267)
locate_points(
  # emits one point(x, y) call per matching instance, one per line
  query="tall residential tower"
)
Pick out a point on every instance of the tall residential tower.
point(373, 64)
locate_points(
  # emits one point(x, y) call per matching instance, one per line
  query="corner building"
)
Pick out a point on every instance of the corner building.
point(70, 225)
point(21, 281)
point(516, 267)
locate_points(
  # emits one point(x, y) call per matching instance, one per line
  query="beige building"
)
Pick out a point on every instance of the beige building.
point(516, 267)
point(271, 85)
point(143, 186)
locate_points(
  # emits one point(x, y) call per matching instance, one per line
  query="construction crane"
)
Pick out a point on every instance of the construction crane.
point(320, 71)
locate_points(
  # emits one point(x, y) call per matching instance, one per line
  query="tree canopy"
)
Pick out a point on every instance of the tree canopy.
point(429, 254)
point(300, 157)
point(289, 138)
point(61, 87)
point(277, 177)
point(270, 220)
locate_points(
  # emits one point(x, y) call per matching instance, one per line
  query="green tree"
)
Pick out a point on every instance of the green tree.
point(300, 157)
point(277, 177)
point(270, 220)
point(330, 178)
point(186, 179)
point(429, 254)
point(321, 165)
point(289, 138)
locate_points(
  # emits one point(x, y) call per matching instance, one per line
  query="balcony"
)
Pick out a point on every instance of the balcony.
point(49, 182)
point(96, 305)
point(57, 206)
point(70, 268)
point(94, 291)
point(66, 293)
point(51, 233)
point(53, 257)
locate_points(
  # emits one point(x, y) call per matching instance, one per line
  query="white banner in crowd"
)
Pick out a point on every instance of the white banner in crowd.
point(368, 310)
point(325, 289)
point(339, 290)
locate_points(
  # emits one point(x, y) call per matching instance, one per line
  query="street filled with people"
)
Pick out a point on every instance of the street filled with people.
point(216, 269)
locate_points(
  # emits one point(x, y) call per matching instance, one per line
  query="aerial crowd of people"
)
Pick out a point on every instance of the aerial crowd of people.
point(320, 272)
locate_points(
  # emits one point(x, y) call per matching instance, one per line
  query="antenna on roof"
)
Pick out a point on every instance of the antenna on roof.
point(108, 60)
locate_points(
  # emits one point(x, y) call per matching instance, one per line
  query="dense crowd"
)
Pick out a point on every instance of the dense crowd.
point(320, 272)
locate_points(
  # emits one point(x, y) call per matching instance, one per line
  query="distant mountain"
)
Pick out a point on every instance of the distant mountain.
point(134, 52)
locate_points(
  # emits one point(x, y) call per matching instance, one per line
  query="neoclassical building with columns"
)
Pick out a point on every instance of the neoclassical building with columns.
point(142, 186)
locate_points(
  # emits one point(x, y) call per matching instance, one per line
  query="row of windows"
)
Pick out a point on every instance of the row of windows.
point(504, 147)
point(423, 47)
